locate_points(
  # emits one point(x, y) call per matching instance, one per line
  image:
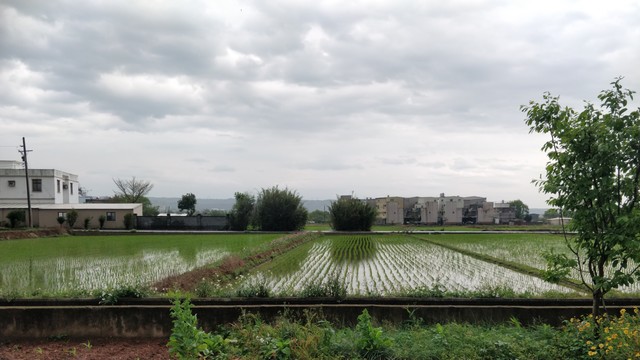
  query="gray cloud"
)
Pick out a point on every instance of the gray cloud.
point(282, 92)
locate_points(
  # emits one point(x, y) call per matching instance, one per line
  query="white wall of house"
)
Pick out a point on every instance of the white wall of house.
point(47, 186)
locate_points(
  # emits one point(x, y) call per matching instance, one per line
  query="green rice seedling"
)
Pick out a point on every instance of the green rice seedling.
point(88, 263)
point(397, 265)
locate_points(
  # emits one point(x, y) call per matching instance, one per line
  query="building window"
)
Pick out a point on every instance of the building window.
point(62, 215)
point(12, 183)
point(71, 188)
point(111, 216)
point(36, 185)
point(58, 183)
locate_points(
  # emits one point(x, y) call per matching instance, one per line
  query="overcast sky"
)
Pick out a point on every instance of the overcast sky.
point(374, 98)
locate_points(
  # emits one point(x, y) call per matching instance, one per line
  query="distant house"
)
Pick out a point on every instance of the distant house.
point(54, 193)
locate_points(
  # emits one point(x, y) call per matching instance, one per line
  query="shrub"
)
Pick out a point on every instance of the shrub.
point(604, 337)
point(279, 210)
point(16, 217)
point(72, 217)
point(61, 220)
point(351, 214)
point(112, 296)
point(128, 221)
point(332, 288)
point(257, 289)
point(87, 221)
point(101, 220)
point(372, 343)
point(187, 341)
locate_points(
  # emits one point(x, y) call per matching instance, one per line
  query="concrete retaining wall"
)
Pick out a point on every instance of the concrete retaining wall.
point(150, 318)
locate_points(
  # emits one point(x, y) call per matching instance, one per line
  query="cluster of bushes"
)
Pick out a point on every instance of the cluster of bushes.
point(277, 209)
point(274, 209)
point(309, 336)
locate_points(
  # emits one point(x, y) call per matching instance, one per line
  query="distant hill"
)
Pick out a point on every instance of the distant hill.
point(171, 203)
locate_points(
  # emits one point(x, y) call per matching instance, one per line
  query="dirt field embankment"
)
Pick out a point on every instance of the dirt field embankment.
point(31, 233)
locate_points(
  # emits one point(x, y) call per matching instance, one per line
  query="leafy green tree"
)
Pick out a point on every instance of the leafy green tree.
point(319, 216)
point(188, 202)
point(522, 209)
point(594, 172)
point(148, 209)
point(551, 213)
point(351, 214)
point(279, 210)
point(240, 214)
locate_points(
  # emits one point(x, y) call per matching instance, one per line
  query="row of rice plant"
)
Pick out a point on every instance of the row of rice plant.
point(527, 249)
point(84, 264)
point(397, 264)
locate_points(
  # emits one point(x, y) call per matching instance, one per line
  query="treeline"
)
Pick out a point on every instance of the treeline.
point(276, 209)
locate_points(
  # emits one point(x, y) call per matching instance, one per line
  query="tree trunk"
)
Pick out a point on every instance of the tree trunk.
point(597, 303)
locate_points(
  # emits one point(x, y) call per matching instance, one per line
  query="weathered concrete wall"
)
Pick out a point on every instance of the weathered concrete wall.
point(151, 317)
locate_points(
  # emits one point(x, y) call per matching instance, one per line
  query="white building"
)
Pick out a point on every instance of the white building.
point(54, 193)
point(47, 186)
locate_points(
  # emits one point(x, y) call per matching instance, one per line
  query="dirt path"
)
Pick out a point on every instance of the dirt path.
point(85, 349)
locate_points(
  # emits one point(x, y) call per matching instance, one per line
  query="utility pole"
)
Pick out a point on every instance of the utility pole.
point(24, 152)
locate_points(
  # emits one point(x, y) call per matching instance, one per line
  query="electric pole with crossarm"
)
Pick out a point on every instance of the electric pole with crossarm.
point(24, 152)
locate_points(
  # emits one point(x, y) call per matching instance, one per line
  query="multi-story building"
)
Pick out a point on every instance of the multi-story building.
point(441, 210)
point(47, 186)
point(54, 193)
point(390, 209)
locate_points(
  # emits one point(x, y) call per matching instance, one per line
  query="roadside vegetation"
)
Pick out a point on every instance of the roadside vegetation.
point(310, 336)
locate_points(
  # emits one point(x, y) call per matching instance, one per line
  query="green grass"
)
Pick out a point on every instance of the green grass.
point(87, 263)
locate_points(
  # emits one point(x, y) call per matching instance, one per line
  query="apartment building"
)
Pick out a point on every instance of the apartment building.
point(441, 210)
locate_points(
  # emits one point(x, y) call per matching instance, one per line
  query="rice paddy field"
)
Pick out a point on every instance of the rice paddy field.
point(387, 265)
point(526, 249)
point(85, 263)
point(364, 265)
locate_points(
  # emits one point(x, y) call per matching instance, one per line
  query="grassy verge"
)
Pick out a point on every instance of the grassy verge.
point(309, 336)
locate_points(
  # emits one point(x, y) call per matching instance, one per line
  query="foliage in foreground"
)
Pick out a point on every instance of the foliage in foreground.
point(594, 172)
point(187, 341)
point(308, 336)
point(605, 337)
